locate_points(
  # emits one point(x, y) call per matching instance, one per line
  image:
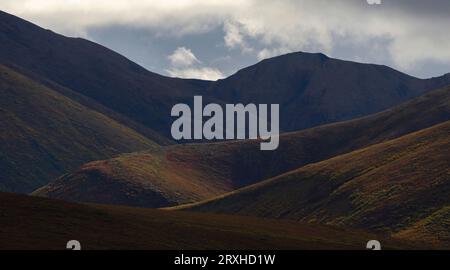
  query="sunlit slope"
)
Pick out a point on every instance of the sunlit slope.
point(44, 134)
point(138, 179)
point(386, 187)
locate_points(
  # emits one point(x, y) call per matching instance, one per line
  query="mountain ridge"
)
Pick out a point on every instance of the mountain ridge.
point(314, 89)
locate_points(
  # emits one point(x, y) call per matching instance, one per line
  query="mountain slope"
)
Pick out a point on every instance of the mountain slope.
point(385, 187)
point(49, 224)
point(44, 134)
point(314, 89)
point(189, 173)
point(95, 72)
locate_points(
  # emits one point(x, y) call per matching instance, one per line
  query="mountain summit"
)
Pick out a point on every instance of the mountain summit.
point(314, 89)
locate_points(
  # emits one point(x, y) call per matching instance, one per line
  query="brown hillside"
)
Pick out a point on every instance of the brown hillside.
point(138, 179)
point(387, 187)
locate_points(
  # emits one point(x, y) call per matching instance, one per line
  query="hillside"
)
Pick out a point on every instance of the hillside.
point(138, 179)
point(189, 173)
point(393, 186)
point(49, 224)
point(44, 134)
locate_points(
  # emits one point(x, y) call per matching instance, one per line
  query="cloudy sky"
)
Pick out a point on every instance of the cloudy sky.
point(215, 38)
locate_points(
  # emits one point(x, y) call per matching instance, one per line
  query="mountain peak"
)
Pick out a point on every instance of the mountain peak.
point(298, 56)
point(315, 89)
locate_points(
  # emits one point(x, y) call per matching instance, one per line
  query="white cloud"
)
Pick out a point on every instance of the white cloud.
point(203, 73)
point(182, 57)
point(234, 38)
point(184, 64)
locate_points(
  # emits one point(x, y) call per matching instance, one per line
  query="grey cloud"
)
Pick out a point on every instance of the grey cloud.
point(410, 35)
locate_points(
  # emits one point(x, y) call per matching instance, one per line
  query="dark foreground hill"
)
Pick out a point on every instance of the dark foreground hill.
point(44, 134)
point(399, 185)
point(188, 173)
point(37, 223)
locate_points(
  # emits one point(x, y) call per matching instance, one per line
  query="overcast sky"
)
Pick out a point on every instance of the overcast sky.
point(213, 39)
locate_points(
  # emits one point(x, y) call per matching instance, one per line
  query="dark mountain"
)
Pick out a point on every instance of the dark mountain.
point(188, 173)
point(311, 88)
point(95, 72)
point(314, 89)
point(44, 134)
point(37, 223)
point(392, 187)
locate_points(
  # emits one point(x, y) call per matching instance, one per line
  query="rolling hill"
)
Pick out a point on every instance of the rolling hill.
point(44, 134)
point(188, 173)
point(141, 179)
point(399, 185)
point(38, 223)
